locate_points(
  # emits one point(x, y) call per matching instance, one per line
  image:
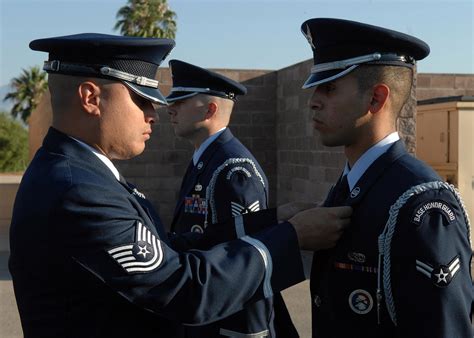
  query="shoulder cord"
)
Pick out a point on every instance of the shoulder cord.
point(211, 187)
point(385, 240)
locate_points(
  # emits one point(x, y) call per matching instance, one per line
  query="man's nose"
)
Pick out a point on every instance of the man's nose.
point(315, 102)
point(151, 115)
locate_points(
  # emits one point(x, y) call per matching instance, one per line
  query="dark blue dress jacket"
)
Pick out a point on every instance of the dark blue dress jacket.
point(90, 257)
point(226, 182)
point(423, 279)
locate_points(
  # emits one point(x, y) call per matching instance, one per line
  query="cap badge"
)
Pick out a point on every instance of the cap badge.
point(308, 36)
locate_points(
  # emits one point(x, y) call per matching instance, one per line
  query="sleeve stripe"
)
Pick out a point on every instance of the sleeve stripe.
point(121, 248)
point(239, 226)
point(267, 261)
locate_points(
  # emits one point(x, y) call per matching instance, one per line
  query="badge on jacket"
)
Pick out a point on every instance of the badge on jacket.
point(145, 255)
point(195, 204)
point(441, 275)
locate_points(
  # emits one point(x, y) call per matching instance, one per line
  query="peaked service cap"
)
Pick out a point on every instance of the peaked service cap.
point(131, 60)
point(339, 46)
point(190, 80)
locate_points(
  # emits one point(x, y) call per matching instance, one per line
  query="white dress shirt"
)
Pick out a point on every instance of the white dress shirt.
point(197, 154)
point(101, 157)
point(369, 157)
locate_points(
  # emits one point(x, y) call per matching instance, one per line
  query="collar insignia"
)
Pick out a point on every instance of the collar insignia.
point(137, 193)
point(355, 192)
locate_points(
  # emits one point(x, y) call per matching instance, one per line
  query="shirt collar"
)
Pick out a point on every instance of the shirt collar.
point(369, 157)
point(101, 157)
point(197, 154)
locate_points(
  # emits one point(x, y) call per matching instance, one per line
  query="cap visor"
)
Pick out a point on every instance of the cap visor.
point(327, 76)
point(149, 93)
point(176, 96)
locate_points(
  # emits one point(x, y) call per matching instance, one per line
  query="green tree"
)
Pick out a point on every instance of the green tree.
point(27, 91)
point(13, 145)
point(146, 18)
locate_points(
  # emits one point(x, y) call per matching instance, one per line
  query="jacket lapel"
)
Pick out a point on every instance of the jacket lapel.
point(192, 176)
point(58, 142)
point(375, 171)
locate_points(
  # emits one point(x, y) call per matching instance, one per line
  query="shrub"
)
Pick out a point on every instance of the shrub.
point(13, 145)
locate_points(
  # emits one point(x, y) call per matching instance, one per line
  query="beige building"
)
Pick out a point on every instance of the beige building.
point(445, 139)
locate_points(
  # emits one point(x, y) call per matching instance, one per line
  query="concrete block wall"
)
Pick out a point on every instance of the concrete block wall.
point(306, 169)
point(439, 85)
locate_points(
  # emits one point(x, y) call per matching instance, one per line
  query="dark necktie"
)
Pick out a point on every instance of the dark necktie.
point(341, 192)
point(122, 179)
point(186, 178)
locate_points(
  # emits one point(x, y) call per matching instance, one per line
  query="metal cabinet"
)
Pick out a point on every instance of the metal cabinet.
point(445, 140)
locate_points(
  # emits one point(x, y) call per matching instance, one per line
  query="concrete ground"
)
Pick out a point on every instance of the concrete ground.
point(9, 319)
point(297, 299)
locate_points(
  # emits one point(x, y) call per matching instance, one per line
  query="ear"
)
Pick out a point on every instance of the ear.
point(89, 95)
point(380, 95)
point(212, 108)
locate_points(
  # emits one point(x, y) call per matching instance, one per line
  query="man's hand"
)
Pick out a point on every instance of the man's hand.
point(320, 228)
point(288, 210)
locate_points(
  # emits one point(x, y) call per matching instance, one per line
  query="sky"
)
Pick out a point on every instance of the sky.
point(243, 34)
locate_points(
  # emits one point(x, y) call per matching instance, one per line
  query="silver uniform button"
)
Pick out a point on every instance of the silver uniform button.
point(317, 301)
point(200, 165)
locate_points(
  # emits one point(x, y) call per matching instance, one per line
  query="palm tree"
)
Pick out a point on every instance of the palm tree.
point(146, 18)
point(27, 91)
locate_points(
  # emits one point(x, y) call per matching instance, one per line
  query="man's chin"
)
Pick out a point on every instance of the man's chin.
point(329, 142)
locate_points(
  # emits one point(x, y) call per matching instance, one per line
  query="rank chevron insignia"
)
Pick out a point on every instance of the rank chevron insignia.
point(145, 255)
point(238, 209)
point(441, 275)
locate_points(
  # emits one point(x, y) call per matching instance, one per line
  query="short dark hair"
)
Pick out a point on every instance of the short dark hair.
point(399, 79)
